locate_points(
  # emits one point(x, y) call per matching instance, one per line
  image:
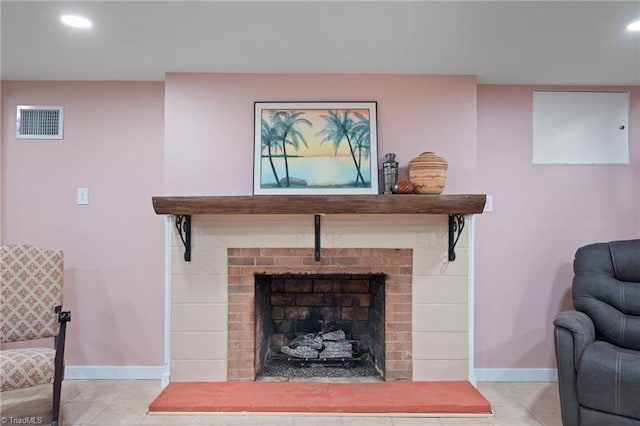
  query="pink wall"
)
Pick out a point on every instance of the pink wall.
point(209, 122)
point(114, 247)
point(542, 214)
point(1, 161)
point(116, 145)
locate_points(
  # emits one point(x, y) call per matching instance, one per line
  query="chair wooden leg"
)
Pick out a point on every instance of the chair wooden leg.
point(57, 388)
point(59, 370)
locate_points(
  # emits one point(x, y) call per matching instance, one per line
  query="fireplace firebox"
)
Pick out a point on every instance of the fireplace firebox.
point(333, 322)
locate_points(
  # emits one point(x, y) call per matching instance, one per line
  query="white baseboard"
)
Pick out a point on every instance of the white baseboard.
point(473, 379)
point(516, 374)
point(80, 372)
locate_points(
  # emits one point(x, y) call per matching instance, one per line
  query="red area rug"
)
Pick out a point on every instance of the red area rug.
point(425, 398)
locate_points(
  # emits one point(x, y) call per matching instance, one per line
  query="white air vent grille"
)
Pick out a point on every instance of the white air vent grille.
point(39, 122)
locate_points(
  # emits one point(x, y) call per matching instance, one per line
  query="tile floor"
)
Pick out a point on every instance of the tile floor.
point(124, 402)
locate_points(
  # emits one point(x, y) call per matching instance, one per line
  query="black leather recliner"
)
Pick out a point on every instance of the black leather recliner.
point(598, 344)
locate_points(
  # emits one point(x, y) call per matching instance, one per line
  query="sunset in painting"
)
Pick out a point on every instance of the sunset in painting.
point(312, 146)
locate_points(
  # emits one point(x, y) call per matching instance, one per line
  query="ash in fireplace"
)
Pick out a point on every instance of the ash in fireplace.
point(282, 369)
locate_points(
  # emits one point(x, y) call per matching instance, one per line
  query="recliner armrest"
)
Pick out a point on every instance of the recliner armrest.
point(580, 326)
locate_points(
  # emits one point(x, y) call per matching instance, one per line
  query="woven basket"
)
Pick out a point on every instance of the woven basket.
point(428, 173)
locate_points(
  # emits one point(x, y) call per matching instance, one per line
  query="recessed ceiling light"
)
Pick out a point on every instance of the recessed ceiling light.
point(76, 21)
point(634, 26)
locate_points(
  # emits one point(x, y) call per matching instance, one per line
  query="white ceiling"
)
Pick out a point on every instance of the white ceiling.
point(504, 42)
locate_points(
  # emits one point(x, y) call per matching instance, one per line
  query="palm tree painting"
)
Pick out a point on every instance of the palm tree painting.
point(315, 148)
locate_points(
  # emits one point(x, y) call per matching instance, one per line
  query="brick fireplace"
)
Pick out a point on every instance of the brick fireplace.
point(244, 263)
point(212, 306)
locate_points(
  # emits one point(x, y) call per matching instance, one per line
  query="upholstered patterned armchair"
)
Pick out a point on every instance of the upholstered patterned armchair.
point(31, 308)
point(598, 344)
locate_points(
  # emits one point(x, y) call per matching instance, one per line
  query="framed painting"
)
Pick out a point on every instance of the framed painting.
point(315, 148)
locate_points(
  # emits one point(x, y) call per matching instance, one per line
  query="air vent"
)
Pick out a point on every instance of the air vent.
point(39, 122)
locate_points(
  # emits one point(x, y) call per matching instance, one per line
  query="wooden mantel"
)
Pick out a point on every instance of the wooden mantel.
point(454, 204)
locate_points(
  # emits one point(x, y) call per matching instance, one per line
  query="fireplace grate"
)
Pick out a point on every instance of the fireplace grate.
point(351, 362)
point(281, 369)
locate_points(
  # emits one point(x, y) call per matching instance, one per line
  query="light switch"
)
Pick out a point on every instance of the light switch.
point(83, 196)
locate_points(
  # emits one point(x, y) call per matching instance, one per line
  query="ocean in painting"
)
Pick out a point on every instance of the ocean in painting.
point(318, 172)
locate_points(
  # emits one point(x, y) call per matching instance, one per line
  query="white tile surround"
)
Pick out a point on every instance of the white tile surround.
point(441, 290)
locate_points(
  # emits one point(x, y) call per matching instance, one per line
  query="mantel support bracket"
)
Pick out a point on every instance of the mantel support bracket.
point(456, 225)
point(316, 225)
point(183, 225)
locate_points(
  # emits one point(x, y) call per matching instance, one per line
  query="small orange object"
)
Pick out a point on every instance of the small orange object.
point(403, 187)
